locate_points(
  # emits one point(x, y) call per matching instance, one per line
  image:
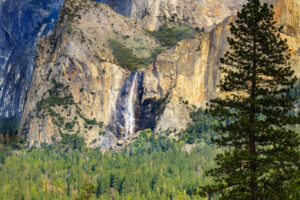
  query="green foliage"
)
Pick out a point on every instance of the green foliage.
point(69, 125)
point(73, 142)
point(71, 13)
point(261, 158)
point(151, 168)
point(127, 59)
point(9, 124)
point(124, 56)
point(201, 128)
point(86, 191)
point(88, 122)
point(170, 36)
point(5, 151)
point(133, 54)
point(102, 133)
point(54, 100)
point(8, 133)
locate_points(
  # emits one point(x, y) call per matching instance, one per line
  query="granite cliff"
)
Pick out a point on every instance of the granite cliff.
point(22, 23)
point(82, 85)
point(153, 13)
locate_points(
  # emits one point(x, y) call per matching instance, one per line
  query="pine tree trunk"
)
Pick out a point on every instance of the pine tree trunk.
point(252, 146)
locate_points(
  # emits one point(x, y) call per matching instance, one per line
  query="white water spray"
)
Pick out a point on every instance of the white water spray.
point(129, 115)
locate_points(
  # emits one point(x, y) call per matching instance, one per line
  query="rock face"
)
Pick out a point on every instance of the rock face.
point(75, 81)
point(78, 87)
point(186, 76)
point(22, 23)
point(197, 13)
point(287, 13)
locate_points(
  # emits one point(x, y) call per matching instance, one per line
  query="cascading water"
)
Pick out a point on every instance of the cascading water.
point(126, 120)
point(129, 117)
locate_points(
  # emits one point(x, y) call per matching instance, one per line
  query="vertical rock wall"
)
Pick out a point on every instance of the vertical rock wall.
point(77, 79)
point(22, 23)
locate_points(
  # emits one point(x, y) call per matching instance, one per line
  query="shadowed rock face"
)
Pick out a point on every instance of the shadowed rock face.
point(197, 13)
point(122, 7)
point(78, 56)
point(22, 23)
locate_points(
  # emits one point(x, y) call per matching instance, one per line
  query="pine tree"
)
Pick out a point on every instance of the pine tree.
point(86, 192)
point(261, 155)
point(7, 137)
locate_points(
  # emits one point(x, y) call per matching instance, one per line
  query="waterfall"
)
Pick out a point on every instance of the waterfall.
point(126, 119)
point(129, 117)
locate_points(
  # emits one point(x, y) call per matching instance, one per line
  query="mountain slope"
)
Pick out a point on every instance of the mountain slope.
point(85, 80)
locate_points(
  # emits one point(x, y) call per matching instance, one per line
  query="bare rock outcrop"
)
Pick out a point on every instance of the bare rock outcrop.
point(197, 13)
point(78, 85)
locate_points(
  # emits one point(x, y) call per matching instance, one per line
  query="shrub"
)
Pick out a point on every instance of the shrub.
point(54, 100)
point(102, 133)
point(124, 56)
point(170, 36)
point(73, 141)
point(69, 125)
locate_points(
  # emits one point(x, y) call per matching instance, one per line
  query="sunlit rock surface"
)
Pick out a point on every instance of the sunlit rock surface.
point(78, 56)
point(197, 13)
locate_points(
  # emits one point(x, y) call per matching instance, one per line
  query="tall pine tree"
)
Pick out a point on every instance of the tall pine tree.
point(257, 124)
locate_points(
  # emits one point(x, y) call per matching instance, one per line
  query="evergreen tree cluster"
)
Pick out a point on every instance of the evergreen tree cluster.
point(151, 168)
point(8, 131)
point(200, 130)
